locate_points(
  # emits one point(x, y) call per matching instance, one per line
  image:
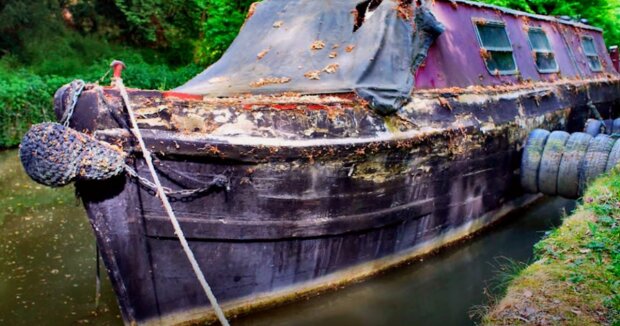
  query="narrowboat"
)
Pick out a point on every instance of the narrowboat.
point(334, 139)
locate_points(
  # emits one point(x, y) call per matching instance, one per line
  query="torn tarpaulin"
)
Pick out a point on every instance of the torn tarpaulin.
point(374, 59)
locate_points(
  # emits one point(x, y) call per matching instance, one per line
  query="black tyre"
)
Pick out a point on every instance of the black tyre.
point(530, 161)
point(595, 161)
point(593, 127)
point(614, 156)
point(550, 162)
point(568, 173)
point(609, 126)
point(616, 126)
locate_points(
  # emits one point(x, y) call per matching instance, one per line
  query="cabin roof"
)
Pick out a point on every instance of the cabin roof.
point(523, 13)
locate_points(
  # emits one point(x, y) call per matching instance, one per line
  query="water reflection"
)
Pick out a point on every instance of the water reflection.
point(439, 291)
point(47, 268)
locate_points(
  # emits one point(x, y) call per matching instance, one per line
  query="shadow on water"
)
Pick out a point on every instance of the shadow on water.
point(47, 268)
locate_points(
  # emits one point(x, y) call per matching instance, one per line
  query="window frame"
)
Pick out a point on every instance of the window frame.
point(480, 21)
point(536, 51)
point(588, 55)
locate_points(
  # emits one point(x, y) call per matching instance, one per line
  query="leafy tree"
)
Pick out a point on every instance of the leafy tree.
point(220, 22)
point(168, 25)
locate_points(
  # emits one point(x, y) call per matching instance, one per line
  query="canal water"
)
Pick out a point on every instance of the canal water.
point(47, 268)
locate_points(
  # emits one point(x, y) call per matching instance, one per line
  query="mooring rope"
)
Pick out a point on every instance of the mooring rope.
point(164, 200)
point(97, 276)
point(77, 86)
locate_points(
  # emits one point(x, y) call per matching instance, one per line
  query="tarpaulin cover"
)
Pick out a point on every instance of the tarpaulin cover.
point(287, 44)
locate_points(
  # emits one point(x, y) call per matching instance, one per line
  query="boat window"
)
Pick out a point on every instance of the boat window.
point(543, 54)
point(590, 51)
point(496, 49)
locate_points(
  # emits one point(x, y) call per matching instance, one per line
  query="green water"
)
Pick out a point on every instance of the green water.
point(47, 255)
point(47, 268)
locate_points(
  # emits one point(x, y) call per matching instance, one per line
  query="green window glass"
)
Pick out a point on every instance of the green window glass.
point(541, 48)
point(589, 49)
point(496, 49)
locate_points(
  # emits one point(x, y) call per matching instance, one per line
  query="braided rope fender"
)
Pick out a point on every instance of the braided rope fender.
point(55, 155)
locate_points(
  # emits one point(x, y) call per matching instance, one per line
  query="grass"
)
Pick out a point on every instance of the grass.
point(576, 277)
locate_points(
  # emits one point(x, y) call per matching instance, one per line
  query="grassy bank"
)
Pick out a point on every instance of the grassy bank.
point(576, 278)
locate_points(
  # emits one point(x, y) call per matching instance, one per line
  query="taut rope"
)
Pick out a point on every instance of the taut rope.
point(118, 81)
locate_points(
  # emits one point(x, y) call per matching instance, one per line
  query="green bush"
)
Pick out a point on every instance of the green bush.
point(26, 96)
point(24, 99)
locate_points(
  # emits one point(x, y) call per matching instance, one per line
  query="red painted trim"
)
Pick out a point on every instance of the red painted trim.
point(182, 96)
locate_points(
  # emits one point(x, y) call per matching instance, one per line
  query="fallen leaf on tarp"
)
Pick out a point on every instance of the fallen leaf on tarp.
point(313, 74)
point(262, 54)
point(331, 68)
point(317, 45)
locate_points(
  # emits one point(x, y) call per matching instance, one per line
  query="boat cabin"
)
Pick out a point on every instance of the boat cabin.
point(488, 45)
point(384, 49)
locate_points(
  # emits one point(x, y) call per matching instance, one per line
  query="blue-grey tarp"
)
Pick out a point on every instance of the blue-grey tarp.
point(310, 47)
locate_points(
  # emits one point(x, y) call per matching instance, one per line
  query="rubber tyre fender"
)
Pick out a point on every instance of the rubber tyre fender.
point(595, 160)
point(616, 126)
point(550, 162)
point(609, 126)
point(530, 161)
point(614, 156)
point(593, 127)
point(568, 173)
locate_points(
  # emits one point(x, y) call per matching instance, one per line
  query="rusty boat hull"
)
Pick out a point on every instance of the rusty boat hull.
point(301, 216)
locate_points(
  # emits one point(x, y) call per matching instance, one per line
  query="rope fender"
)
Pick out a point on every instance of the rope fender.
point(55, 155)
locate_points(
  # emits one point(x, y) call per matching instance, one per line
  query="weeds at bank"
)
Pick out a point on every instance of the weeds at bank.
point(26, 96)
point(576, 278)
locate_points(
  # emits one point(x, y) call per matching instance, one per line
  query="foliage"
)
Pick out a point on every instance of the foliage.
point(177, 30)
point(219, 25)
point(167, 25)
point(26, 96)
